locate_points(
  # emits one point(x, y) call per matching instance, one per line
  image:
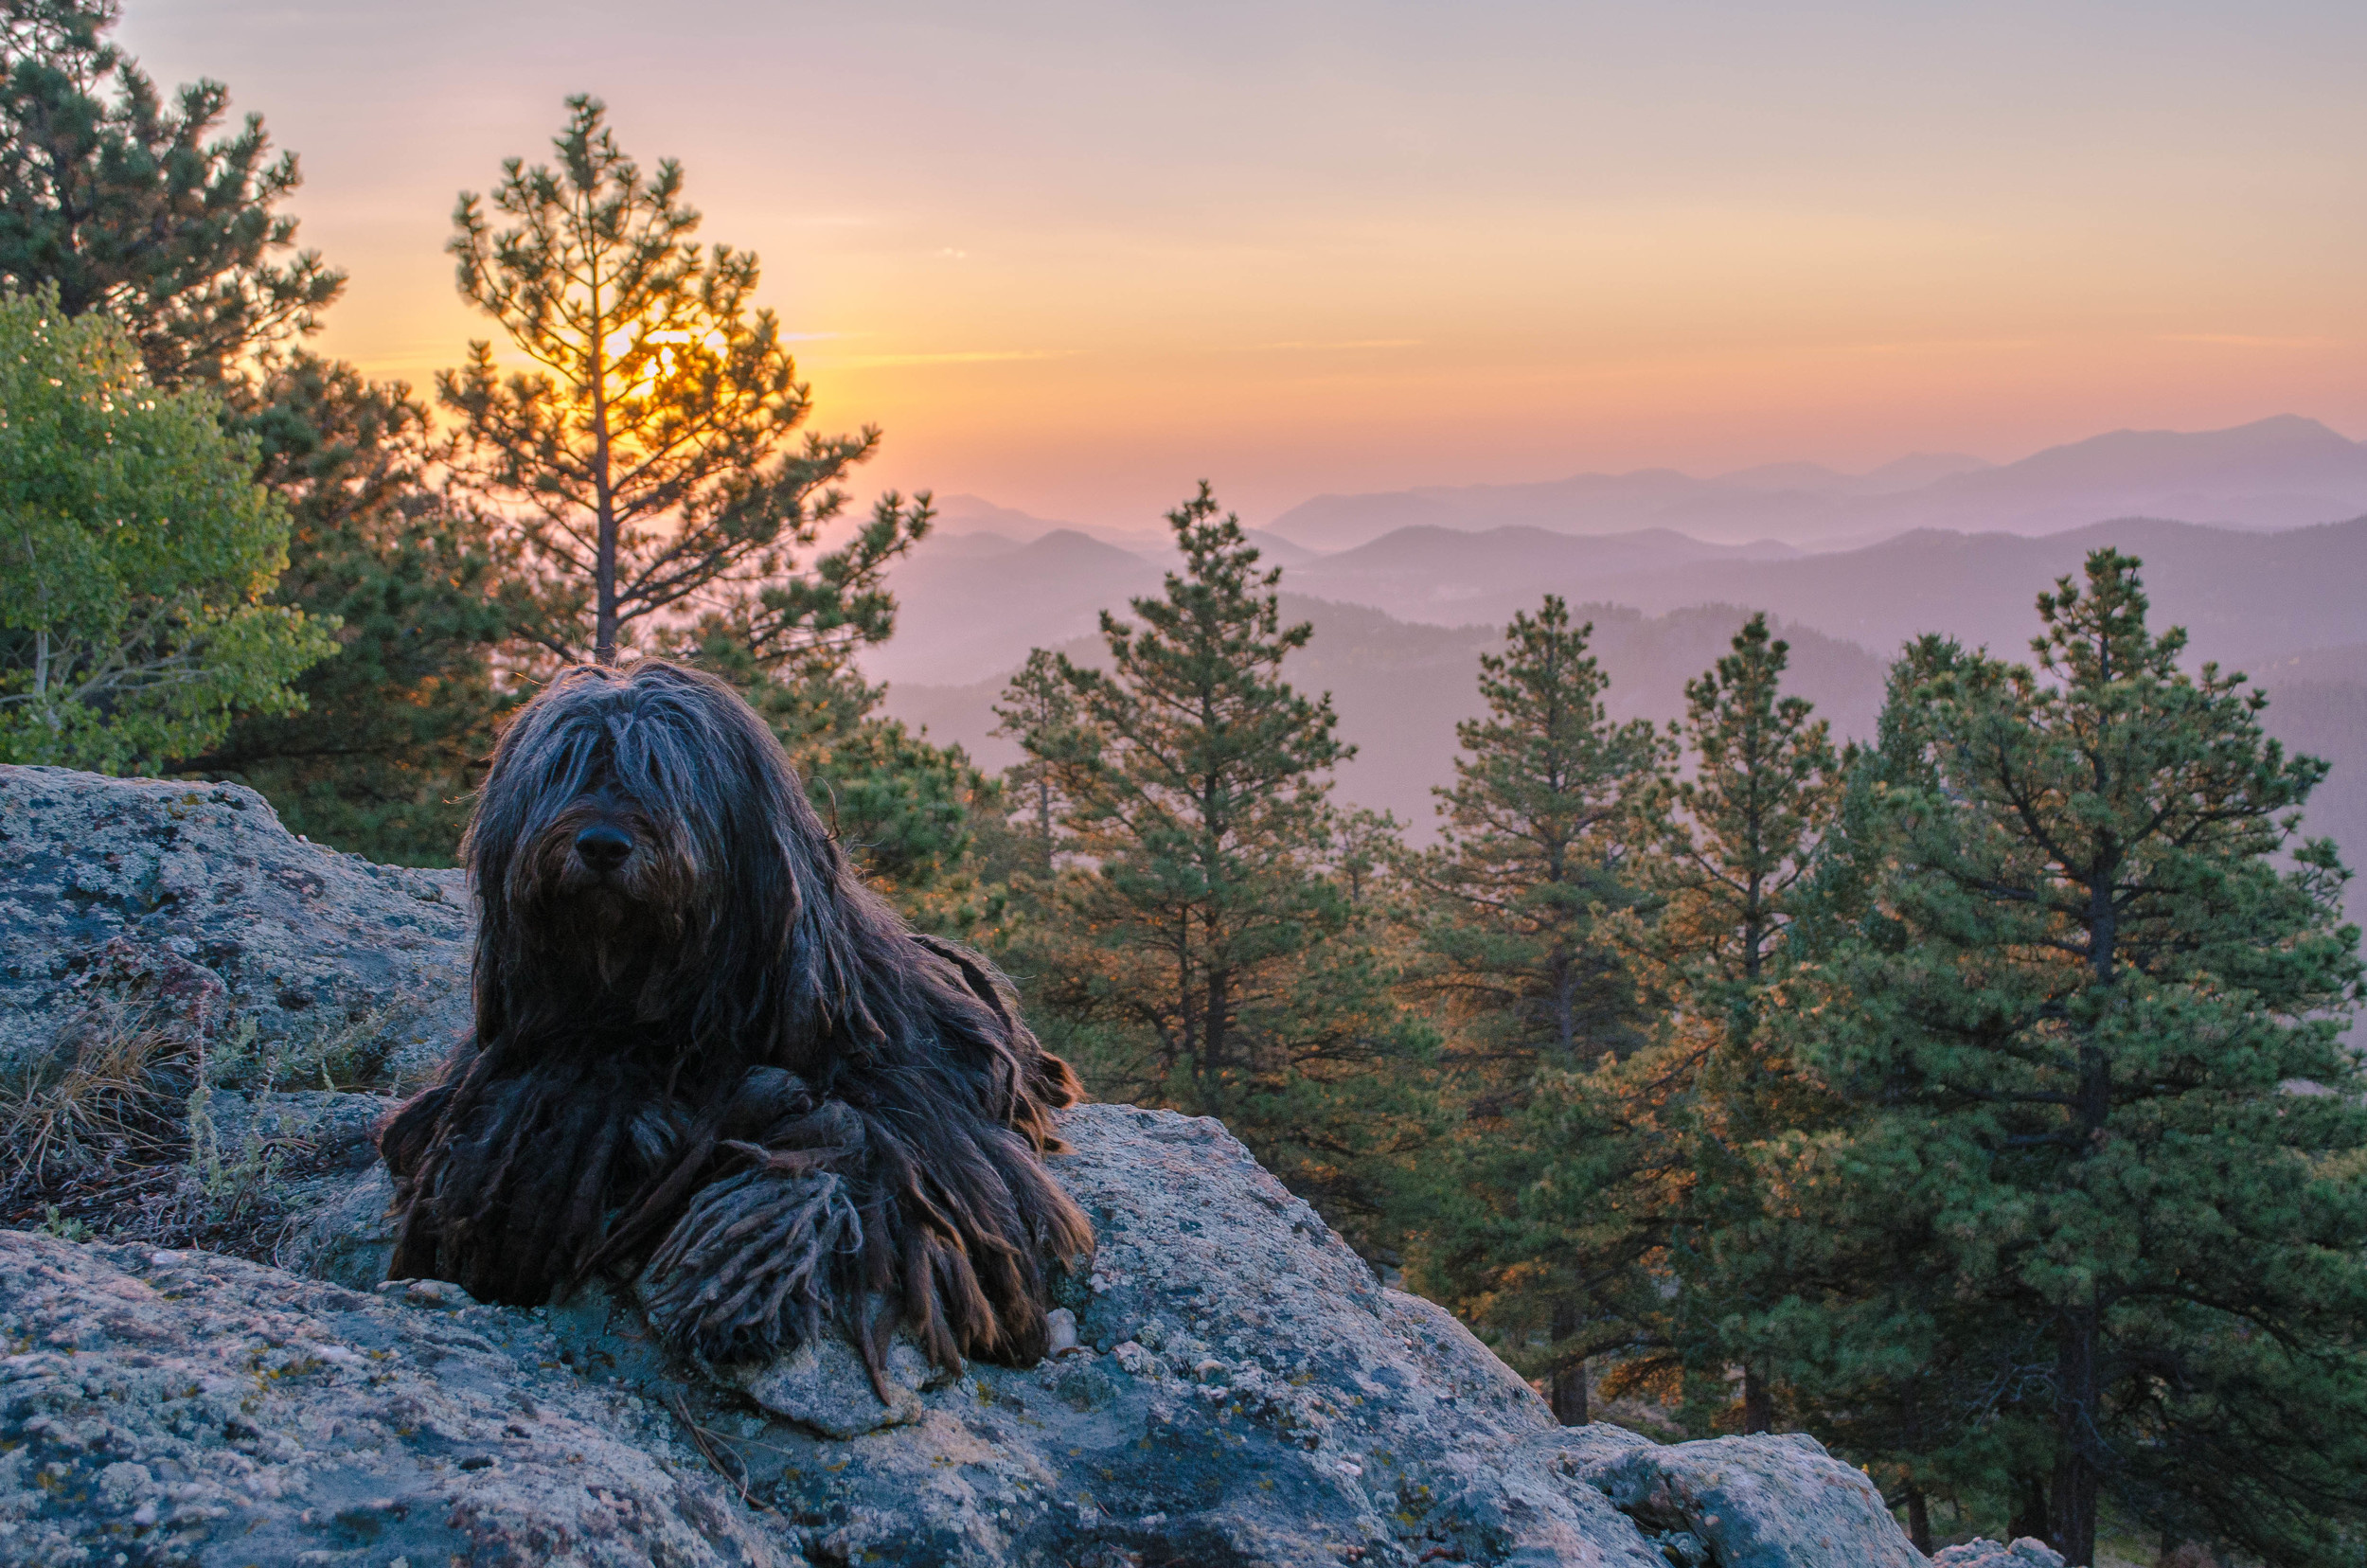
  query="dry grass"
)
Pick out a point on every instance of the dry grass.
point(115, 1093)
point(114, 1134)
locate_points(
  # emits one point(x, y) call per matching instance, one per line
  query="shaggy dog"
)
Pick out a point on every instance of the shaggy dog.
point(707, 1056)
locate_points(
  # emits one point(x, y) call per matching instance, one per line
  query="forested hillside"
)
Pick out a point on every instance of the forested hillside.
point(1890, 985)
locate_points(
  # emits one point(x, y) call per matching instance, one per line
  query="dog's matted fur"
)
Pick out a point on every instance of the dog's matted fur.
point(706, 1054)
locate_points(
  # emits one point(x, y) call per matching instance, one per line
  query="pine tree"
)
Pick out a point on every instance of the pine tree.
point(1735, 840)
point(652, 460)
point(140, 213)
point(396, 727)
point(140, 210)
point(1537, 831)
point(1197, 949)
point(1039, 703)
point(2084, 984)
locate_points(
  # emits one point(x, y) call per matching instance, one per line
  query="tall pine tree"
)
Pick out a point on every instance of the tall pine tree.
point(151, 215)
point(1512, 906)
point(1197, 949)
point(1735, 836)
point(2084, 986)
point(145, 211)
point(653, 458)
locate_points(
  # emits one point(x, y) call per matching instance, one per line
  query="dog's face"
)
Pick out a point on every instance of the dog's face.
point(623, 813)
point(609, 877)
point(641, 848)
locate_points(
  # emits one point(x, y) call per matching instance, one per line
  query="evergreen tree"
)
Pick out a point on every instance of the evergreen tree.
point(140, 210)
point(1197, 949)
point(2084, 986)
point(134, 554)
point(1038, 703)
point(141, 213)
point(652, 460)
point(1536, 833)
point(1733, 841)
point(903, 808)
point(396, 727)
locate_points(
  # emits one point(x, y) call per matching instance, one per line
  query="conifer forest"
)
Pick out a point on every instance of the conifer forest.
point(1975, 1093)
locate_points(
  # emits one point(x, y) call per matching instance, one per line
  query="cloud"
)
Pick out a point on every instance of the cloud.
point(965, 356)
point(2242, 340)
point(1348, 343)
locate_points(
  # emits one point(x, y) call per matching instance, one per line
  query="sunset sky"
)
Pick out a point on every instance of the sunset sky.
point(1072, 257)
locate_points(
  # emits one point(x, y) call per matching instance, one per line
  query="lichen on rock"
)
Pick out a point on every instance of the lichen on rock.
point(314, 949)
point(1231, 1385)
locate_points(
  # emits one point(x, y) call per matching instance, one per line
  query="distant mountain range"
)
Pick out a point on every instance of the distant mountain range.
point(969, 519)
point(1402, 614)
point(2244, 596)
point(1399, 689)
point(973, 605)
point(2277, 472)
point(978, 603)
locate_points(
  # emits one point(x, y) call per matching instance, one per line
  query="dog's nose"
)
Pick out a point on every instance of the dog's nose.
point(603, 846)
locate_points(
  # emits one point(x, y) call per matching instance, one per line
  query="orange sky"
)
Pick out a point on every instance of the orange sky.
point(1075, 256)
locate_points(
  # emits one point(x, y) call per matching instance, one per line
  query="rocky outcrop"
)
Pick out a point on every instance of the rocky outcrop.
point(2027, 1553)
point(184, 1408)
point(194, 895)
point(1232, 1385)
point(1746, 1501)
point(1237, 1389)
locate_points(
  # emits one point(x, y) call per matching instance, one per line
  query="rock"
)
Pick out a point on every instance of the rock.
point(350, 1238)
point(2028, 1552)
point(1241, 1390)
point(184, 1408)
point(1759, 1501)
point(156, 888)
point(1231, 1384)
point(826, 1389)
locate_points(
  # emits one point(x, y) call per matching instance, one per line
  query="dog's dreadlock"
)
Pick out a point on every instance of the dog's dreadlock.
point(705, 1054)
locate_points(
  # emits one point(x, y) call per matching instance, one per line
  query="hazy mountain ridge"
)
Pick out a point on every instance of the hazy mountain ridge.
point(2277, 472)
point(2244, 597)
point(985, 529)
point(1400, 688)
point(1401, 618)
point(2284, 607)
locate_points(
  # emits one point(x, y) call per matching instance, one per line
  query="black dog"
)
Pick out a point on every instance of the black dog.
point(706, 1054)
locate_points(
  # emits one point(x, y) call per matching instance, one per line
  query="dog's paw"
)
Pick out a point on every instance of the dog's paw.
point(745, 1274)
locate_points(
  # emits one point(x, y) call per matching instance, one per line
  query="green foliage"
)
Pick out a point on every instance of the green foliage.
point(1537, 1006)
point(2096, 1226)
point(1040, 702)
point(138, 208)
point(397, 725)
point(1535, 827)
point(1197, 946)
point(1727, 851)
point(136, 551)
point(653, 461)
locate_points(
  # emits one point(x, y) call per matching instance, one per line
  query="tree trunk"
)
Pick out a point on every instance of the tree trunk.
point(1043, 820)
point(604, 498)
point(1758, 1401)
point(1918, 1519)
point(1918, 1508)
point(1568, 1388)
point(2076, 1471)
point(2030, 1513)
